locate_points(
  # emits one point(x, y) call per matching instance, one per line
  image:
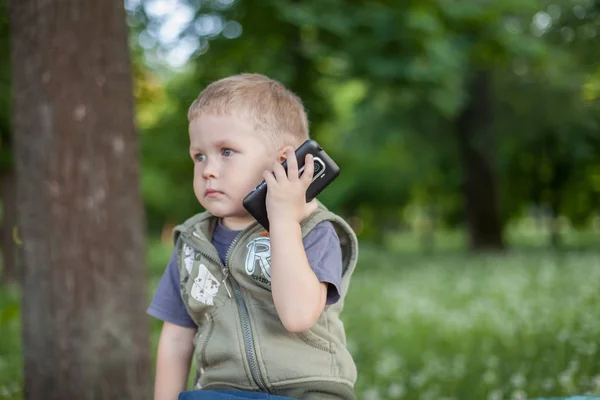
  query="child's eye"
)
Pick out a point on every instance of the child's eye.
point(227, 152)
point(199, 157)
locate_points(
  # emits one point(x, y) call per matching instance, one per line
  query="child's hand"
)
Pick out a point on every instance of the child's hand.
point(286, 194)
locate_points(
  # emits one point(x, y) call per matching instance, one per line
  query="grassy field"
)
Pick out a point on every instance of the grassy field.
point(504, 327)
point(525, 324)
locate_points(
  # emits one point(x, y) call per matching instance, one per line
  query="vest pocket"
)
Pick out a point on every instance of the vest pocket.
point(313, 340)
point(220, 351)
point(288, 356)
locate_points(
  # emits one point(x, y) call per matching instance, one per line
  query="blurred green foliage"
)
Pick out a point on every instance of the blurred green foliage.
point(385, 84)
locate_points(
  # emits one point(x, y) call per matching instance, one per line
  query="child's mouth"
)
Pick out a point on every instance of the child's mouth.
point(212, 193)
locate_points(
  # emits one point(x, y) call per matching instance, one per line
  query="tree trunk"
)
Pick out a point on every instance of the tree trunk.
point(9, 222)
point(475, 148)
point(85, 332)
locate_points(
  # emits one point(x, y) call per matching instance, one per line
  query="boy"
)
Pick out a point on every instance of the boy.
point(259, 310)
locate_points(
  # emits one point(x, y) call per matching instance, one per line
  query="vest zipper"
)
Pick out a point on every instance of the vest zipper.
point(242, 309)
point(245, 320)
point(248, 339)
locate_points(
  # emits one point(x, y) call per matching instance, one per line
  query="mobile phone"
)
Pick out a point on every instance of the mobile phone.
point(326, 170)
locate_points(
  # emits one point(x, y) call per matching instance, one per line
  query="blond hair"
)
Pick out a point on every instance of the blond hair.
point(269, 106)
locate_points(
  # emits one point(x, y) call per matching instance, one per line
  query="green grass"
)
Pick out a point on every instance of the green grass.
point(10, 344)
point(525, 324)
point(521, 325)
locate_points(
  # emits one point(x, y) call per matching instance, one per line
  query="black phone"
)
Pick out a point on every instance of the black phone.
point(326, 170)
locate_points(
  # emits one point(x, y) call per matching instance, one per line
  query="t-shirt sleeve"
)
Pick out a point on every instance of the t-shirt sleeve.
point(324, 254)
point(167, 304)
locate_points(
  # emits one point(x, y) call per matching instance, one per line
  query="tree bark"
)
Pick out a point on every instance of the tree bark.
point(475, 148)
point(85, 332)
point(9, 222)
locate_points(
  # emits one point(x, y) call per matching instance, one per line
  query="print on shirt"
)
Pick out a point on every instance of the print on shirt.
point(259, 252)
point(205, 286)
point(188, 257)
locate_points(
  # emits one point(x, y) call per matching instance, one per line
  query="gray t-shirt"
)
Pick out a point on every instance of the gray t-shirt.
point(322, 246)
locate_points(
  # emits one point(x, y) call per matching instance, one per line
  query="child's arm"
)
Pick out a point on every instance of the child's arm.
point(175, 349)
point(298, 295)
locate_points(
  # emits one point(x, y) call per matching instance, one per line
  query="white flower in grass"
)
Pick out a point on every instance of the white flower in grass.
point(435, 368)
point(396, 391)
point(490, 377)
point(495, 395)
point(548, 384)
point(590, 325)
point(518, 380)
point(566, 380)
point(418, 380)
point(573, 366)
point(519, 395)
point(371, 394)
point(590, 349)
point(563, 335)
point(596, 383)
point(433, 393)
point(15, 387)
point(388, 365)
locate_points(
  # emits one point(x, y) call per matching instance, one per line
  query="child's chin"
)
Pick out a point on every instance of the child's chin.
point(218, 209)
point(217, 212)
point(221, 212)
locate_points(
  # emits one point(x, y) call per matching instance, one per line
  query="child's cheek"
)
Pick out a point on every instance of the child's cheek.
point(198, 187)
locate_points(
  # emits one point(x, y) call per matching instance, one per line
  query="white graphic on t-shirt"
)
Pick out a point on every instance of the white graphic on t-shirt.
point(188, 257)
point(259, 250)
point(205, 286)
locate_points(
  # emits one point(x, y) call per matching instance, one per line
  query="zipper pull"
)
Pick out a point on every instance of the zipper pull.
point(226, 272)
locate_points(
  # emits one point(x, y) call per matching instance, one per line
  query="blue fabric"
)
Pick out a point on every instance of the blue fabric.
point(226, 395)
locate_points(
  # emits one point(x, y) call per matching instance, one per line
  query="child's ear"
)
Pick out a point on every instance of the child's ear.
point(283, 151)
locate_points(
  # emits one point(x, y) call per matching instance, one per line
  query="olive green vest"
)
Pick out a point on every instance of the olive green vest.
point(241, 342)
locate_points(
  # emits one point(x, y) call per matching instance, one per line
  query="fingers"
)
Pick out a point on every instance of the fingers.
point(269, 178)
point(279, 172)
point(309, 170)
point(292, 165)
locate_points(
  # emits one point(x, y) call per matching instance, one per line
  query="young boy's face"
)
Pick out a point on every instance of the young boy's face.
point(229, 160)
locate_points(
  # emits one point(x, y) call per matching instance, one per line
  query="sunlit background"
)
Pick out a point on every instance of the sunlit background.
point(467, 133)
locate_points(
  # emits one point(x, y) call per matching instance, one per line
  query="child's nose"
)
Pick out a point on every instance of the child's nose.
point(211, 169)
